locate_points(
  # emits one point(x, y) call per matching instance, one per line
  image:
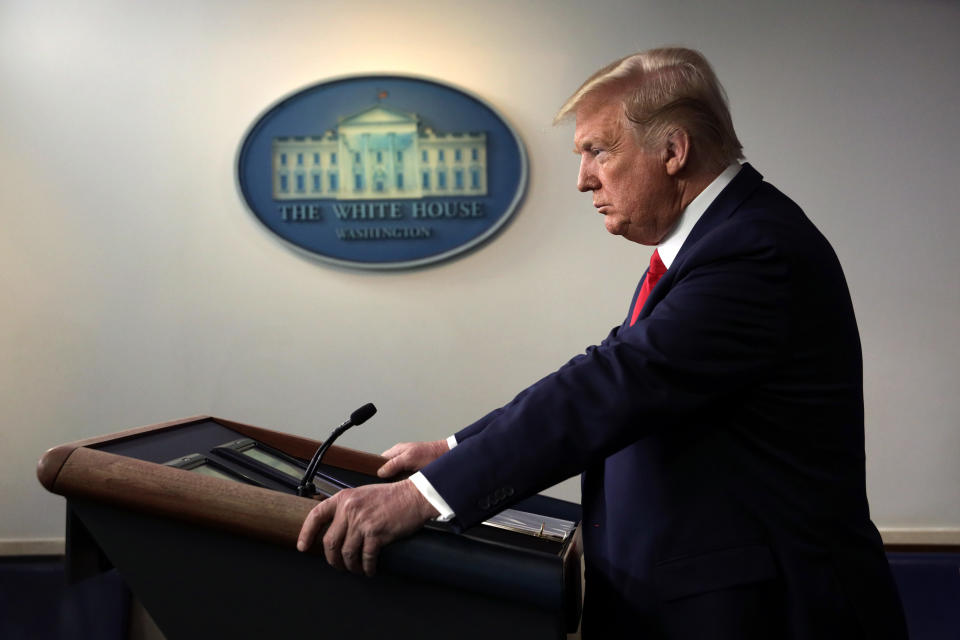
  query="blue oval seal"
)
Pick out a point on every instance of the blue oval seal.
point(382, 171)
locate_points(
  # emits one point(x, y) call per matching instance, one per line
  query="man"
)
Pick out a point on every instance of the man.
point(719, 429)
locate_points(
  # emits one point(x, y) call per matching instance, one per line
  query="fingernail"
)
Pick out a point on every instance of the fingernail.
point(301, 546)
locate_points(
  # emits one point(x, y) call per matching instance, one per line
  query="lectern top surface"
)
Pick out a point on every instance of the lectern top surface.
point(537, 524)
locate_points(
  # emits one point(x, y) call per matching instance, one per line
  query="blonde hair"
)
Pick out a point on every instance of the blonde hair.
point(663, 89)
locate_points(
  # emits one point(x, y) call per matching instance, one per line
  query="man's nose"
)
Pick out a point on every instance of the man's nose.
point(586, 179)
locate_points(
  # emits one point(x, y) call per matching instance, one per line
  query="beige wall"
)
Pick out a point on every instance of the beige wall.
point(136, 288)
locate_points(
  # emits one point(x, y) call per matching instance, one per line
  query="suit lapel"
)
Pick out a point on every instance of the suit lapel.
point(633, 300)
point(732, 196)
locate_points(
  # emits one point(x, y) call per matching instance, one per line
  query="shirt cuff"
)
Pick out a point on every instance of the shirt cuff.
point(426, 489)
point(452, 441)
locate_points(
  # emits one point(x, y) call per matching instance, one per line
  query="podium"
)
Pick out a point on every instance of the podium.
point(198, 518)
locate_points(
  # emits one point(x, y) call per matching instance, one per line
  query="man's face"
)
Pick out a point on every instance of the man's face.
point(630, 185)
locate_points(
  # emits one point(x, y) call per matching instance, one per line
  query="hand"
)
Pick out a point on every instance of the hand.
point(363, 520)
point(411, 456)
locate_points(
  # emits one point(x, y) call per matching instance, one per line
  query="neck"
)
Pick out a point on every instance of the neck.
point(689, 187)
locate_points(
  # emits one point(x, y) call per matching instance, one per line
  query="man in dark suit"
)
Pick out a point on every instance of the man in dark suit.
point(719, 429)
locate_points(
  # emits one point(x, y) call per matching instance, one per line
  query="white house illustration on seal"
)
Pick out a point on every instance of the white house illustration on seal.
point(380, 153)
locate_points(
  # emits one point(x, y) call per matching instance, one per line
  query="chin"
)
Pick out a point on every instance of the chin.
point(615, 227)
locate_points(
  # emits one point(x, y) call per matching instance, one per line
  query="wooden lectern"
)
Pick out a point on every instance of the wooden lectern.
point(206, 539)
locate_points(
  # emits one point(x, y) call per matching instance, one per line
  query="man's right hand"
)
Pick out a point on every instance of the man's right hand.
point(411, 456)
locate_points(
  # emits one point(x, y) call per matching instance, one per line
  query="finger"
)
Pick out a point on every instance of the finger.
point(317, 517)
point(336, 530)
point(395, 450)
point(371, 551)
point(391, 467)
point(333, 541)
point(351, 550)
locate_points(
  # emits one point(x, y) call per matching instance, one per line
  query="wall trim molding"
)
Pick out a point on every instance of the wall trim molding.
point(949, 536)
point(32, 547)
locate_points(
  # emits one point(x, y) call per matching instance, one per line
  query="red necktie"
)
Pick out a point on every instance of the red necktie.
point(657, 269)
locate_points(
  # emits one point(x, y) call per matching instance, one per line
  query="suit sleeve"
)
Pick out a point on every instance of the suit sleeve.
point(715, 327)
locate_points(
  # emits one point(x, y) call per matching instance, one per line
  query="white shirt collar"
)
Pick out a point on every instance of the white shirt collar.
point(670, 247)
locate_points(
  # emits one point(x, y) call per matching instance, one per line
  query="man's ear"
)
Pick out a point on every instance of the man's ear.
point(676, 151)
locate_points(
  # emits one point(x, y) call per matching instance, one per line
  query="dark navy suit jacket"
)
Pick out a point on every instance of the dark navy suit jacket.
point(720, 438)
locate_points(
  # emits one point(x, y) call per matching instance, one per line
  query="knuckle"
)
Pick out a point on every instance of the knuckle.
point(329, 543)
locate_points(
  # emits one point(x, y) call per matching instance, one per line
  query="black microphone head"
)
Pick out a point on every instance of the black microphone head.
point(363, 414)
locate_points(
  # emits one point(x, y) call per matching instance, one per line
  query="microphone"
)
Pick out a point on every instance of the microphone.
point(359, 416)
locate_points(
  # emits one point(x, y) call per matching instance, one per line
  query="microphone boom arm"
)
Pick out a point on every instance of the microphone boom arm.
point(361, 415)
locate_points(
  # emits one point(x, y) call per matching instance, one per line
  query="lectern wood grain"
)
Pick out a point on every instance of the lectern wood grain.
point(142, 486)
